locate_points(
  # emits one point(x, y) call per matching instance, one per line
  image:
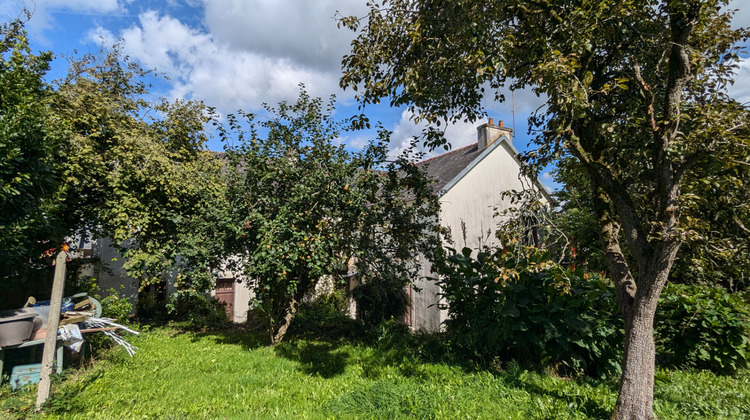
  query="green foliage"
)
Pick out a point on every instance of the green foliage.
point(327, 305)
point(304, 207)
point(30, 156)
point(197, 310)
point(149, 184)
point(379, 300)
point(115, 306)
point(517, 304)
point(636, 103)
point(704, 328)
point(325, 317)
point(717, 218)
point(90, 156)
point(228, 374)
point(716, 213)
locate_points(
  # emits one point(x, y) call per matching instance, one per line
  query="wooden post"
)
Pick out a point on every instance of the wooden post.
point(50, 340)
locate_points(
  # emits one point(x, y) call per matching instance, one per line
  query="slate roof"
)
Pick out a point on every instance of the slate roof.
point(443, 168)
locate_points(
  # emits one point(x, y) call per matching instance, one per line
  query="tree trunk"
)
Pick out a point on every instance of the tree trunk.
point(636, 397)
point(278, 335)
point(638, 299)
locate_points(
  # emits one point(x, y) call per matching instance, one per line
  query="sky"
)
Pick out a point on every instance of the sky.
point(238, 54)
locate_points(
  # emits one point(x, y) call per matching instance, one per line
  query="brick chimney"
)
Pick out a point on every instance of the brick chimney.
point(488, 133)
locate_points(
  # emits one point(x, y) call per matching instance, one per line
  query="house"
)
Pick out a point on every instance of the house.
point(110, 274)
point(469, 182)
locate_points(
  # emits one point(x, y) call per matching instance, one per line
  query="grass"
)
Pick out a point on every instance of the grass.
point(229, 374)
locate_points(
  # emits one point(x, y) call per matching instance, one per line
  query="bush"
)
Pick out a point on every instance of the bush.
point(325, 317)
point(522, 306)
point(381, 299)
point(197, 310)
point(116, 307)
point(702, 327)
point(331, 304)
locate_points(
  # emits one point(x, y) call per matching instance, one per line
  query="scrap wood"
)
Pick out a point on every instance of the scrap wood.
point(76, 313)
point(72, 319)
point(82, 304)
point(88, 330)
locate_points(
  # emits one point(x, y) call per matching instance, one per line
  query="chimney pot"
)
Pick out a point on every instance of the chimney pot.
point(489, 133)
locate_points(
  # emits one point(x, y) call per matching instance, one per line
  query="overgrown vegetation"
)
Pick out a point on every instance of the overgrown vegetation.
point(232, 374)
point(306, 210)
point(636, 103)
point(197, 311)
point(701, 327)
point(30, 155)
point(516, 304)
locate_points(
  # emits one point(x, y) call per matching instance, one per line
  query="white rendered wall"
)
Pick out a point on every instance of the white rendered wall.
point(472, 202)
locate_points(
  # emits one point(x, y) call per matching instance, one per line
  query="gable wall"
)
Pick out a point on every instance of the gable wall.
point(473, 200)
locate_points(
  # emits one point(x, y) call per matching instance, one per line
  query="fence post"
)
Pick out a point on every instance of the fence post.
point(53, 322)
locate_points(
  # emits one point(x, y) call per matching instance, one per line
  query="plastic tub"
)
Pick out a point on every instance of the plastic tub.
point(15, 327)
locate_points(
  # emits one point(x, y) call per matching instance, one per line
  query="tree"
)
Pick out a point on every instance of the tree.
point(89, 155)
point(717, 210)
point(29, 157)
point(140, 173)
point(635, 98)
point(305, 208)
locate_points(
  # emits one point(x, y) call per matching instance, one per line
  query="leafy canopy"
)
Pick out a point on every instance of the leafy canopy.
point(89, 155)
point(139, 172)
point(636, 102)
point(30, 156)
point(305, 208)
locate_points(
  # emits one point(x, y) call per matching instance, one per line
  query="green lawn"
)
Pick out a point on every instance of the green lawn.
point(229, 375)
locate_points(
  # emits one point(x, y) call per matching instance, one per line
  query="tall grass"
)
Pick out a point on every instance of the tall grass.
point(229, 374)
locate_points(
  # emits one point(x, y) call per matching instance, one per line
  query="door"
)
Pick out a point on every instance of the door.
point(225, 295)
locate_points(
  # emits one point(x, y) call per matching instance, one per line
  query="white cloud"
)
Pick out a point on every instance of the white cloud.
point(202, 67)
point(742, 16)
point(523, 101)
point(42, 20)
point(300, 30)
point(458, 135)
point(741, 88)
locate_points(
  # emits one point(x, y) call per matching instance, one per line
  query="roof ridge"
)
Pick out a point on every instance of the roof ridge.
point(447, 153)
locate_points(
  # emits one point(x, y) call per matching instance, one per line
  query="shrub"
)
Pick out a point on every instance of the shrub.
point(381, 299)
point(116, 307)
point(330, 304)
point(522, 306)
point(197, 310)
point(325, 317)
point(702, 327)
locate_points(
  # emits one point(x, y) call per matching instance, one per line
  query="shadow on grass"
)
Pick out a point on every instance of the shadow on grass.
point(324, 346)
point(315, 358)
point(576, 403)
point(248, 340)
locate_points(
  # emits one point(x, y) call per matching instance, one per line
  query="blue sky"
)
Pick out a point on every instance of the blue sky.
point(236, 54)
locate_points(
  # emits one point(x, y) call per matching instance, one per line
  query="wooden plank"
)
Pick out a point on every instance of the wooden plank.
point(88, 330)
point(50, 341)
point(74, 319)
point(82, 304)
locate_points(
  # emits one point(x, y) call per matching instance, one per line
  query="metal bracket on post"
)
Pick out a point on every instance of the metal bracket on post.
point(50, 340)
